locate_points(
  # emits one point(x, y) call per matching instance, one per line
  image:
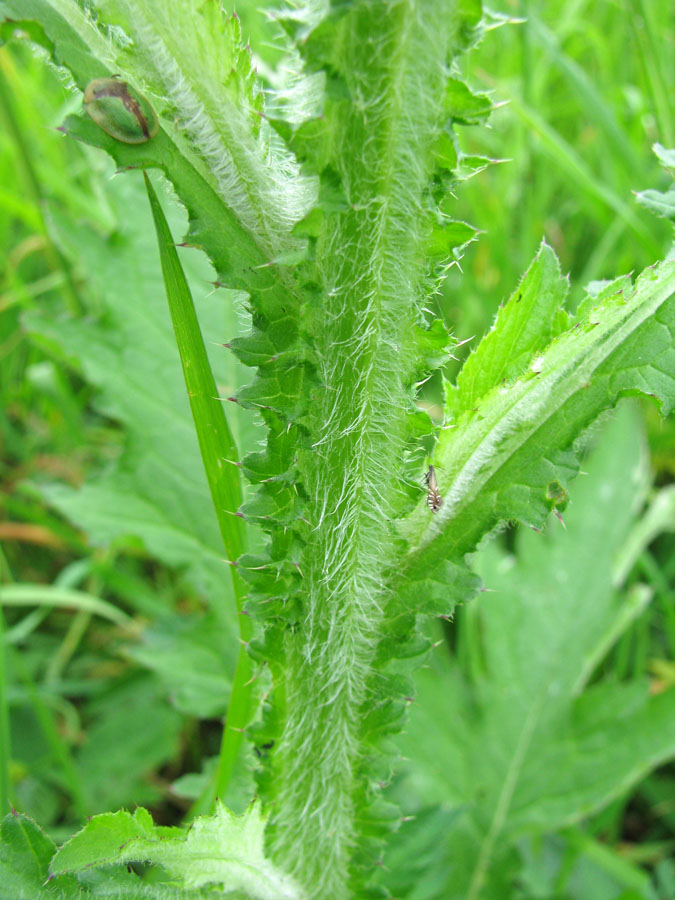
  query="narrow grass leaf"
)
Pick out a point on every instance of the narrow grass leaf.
point(47, 595)
point(215, 438)
point(579, 173)
point(218, 451)
point(5, 736)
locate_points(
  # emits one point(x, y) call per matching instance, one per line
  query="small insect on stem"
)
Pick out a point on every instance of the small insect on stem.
point(434, 498)
point(120, 111)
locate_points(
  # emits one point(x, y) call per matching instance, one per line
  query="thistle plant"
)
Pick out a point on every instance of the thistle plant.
point(330, 204)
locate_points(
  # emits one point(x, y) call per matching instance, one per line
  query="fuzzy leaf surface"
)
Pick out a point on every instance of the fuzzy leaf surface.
point(194, 68)
point(661, 203)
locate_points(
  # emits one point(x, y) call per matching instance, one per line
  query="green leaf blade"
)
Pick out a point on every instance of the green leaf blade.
point(223, 849)
point(215, 439)
point(25, 854)
point(527, 322)
point(501, 460)
point(527, 747)
point(219, 452)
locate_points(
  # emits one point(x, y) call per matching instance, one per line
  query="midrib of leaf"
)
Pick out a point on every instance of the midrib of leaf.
point(357, 426)
point(633, 603)
point(505, 795)
point(223, 853)
point(490, 443)
point(76, 18)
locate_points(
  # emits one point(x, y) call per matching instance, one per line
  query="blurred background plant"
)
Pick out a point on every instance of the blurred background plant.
point(102, 514)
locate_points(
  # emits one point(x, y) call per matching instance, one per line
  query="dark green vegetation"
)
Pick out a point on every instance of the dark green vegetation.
point(538, 752)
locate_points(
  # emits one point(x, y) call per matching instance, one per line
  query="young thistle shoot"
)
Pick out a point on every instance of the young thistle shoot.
point(120, 111)
point(434, 498)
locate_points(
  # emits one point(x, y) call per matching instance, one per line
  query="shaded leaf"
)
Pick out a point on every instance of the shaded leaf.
point(524, 746)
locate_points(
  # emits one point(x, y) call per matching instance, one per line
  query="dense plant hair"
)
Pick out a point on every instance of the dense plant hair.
point(374, 147)
point(331, 208)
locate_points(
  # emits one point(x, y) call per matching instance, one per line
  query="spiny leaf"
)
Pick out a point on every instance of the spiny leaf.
point(521, 744)
point(527, 322)
point(662, 203)
point(222, 849)
point(465, 106)
point(503, 453)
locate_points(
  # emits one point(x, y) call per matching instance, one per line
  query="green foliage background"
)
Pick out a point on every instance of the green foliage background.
point(103, 491)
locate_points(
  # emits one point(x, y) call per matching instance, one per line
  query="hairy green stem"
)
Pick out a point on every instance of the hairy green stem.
point(393, 57)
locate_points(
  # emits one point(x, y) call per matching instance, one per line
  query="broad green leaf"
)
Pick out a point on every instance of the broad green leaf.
point(526, 746)
point(527, 322)
point(658, 518)
point(582, 867)
point(117, 759)
point(511, 454)
point(188, 658)
point(25, 853)
point(571, 865)
point(223, 849)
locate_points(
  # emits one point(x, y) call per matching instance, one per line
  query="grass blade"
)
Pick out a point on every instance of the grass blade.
point(46, 595)
point(5, 736)
point(216, 445)
point(572, 163)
